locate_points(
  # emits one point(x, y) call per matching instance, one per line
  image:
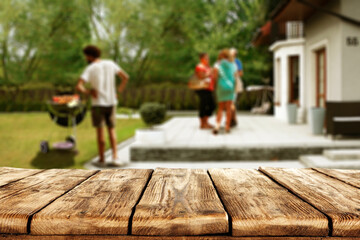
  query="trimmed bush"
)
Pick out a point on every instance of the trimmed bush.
point(153, 113)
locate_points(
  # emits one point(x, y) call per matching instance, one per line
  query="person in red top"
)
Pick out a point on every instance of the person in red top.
point(207, 105)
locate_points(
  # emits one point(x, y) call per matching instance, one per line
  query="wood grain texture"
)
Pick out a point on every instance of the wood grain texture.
point(8, 175)
point(101, 205)
point(21, 199)
point(351, 177)
point(107, 237)
point(259, 207)
point(338, 200)
point(180, 202)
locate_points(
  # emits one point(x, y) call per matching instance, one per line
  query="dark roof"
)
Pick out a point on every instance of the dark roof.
point(279, 8)
point(287, 10)
point(296, 10)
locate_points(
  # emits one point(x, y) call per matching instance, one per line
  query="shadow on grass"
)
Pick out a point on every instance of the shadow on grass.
point(54, 159)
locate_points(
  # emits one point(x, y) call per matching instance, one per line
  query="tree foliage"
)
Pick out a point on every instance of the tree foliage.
point(40, 40)
point(154, 40)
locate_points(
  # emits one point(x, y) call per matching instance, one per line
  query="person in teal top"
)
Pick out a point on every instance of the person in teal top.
point(224, 74)
point(226, 81)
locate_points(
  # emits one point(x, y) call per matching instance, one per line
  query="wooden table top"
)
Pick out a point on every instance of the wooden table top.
point(174, 204)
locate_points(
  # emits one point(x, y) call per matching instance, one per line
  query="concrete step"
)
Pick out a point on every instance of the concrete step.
point(320, 161)
point(190, 154)
point(342, 154)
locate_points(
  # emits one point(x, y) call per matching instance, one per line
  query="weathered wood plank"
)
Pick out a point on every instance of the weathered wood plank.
point(122, 237)
point(180, 202)
point(101, 205)
point(338, 200)
point(259, 207)
point(351, 177)
point(8, 175)
point(21, 199)
point(107, 237)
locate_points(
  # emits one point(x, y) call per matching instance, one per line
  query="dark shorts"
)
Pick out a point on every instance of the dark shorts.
point(206, 103)
point(101, 115)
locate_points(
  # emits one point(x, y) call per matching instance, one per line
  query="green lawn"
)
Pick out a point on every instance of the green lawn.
point(21, 133)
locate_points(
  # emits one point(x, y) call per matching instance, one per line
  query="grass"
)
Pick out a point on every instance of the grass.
point(21, 134)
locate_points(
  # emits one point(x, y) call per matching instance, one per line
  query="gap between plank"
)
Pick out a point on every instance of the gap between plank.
point(67, 191)
point(125, 237)
point(222, 202)
point(330, 223)
point(336, 178)
point(40, 171)
point(137, 202)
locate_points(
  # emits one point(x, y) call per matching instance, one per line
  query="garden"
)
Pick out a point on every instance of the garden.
point(156, 42)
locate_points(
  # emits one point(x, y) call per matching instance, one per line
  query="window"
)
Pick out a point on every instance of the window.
point(320, 77)
point(278, 82)
point(294, 79)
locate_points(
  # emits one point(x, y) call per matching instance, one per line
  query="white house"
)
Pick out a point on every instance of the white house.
point(316, 48)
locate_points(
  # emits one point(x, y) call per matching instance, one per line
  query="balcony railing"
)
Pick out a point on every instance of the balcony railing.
point(294, 29)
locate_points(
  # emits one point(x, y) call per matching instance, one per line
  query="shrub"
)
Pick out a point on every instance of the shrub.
point(153, 113)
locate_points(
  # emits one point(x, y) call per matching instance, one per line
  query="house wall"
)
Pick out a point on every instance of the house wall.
point(350, 53)
point(283, 50)
point(343, 73)
point(342, 61)
point(324, 31)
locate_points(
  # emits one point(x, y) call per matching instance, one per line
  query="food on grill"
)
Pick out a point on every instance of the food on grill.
point(64, 99)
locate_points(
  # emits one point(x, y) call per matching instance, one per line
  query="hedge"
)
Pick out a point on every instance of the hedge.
point(175, 97)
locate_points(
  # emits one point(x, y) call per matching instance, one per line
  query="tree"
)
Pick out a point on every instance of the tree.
point(154, 40)
point(41, 39)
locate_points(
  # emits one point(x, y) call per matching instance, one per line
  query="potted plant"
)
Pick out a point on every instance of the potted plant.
point(317, 120)
point(291, 109)
point(152, 114)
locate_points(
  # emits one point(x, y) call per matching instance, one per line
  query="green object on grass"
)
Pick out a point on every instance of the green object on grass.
point(153, 113)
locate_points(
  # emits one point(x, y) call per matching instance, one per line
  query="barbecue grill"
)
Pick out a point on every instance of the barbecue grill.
point(66, 111)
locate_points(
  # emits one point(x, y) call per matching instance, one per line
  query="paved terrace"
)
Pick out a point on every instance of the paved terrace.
point(255, 138)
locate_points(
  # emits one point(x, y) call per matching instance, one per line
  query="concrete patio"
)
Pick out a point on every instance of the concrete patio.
point(255, 138)
point(257, 141)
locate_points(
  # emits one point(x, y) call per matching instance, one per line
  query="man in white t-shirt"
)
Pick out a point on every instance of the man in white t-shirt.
point(101, 76)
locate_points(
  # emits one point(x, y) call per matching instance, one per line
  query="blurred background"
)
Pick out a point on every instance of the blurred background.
point(156, 41)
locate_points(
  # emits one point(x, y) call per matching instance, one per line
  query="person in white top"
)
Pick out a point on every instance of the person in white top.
point(239, 85)
point(100, 75)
